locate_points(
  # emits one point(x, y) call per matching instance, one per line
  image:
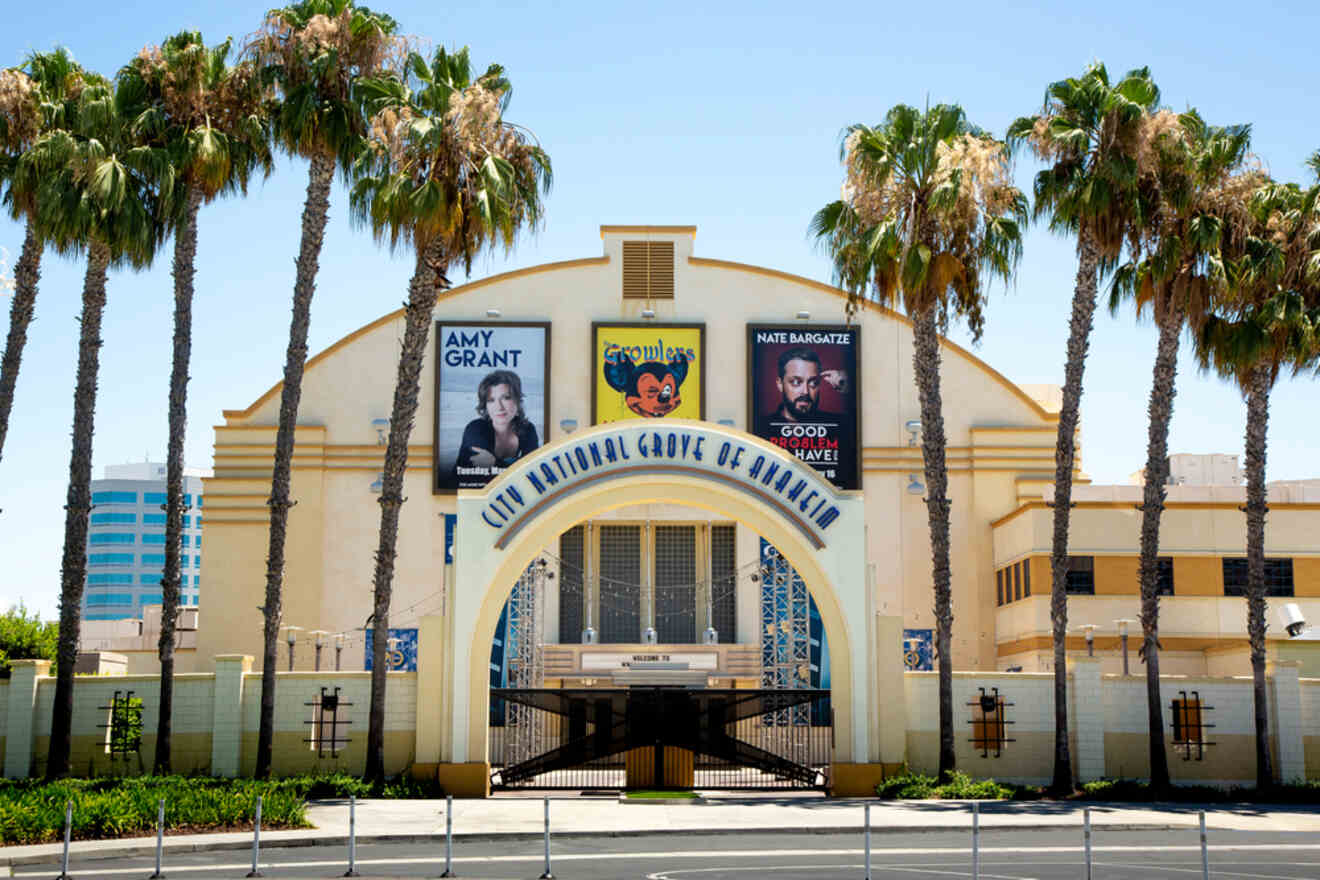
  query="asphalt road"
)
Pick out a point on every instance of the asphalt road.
point(1005, 855)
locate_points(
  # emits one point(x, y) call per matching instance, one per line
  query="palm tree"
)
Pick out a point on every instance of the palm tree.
point(1193, 186)
point(1262, 326)
point(1087, 133)
point(32, 103)
point(314, 52)
point(444, 173)
point(209, 118)
point(929, 209)
point(96, 193)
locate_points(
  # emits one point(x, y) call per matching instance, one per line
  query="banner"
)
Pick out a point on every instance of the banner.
point(400, 658)
point(803, 393)
point(648, 371)
point(491, 398)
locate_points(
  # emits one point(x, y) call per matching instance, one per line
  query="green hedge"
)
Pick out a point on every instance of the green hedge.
point(963, 787)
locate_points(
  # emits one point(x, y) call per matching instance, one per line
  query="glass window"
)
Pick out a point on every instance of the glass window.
point(676, 584)
point(100, 519)
point(151, 599)
point(110, 559)
point(1164, 575)
point(153, 519)
point(1278, 577)
point(187, 542)
point(1026, 577)
point(109, 578)
point(724, 582)
point(114, 498)
point(571, 567)
point(149, 580)
point(620, 577)
point(153, 558)
point(158, 538)
point(1016, 574)
point(187, 522)
point(999, 587)
point(1081, 575)
point(187, 500)
point(154, 497)
point(197, 562)
point(109, 598)
point(197, 580)
point(111, 538)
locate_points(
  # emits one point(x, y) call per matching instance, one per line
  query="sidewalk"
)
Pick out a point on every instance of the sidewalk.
point(399, 821)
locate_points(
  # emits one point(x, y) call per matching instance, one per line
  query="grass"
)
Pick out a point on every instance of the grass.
point(661, 795)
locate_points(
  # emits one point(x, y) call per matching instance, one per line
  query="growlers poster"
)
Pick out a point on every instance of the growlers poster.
point(803, 385)
point(648, 371)
point(491, 398)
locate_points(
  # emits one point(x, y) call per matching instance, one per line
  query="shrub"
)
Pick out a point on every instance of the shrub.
point(959, 787)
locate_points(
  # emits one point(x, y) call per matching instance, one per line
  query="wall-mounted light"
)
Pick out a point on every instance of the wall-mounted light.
point(1089, 628)
point(710, 637)
point(913, 427)
point(590, 636)
point(568, 426)
point(648, 314)
point(804, 315)
point(492, 313)
point(381, 427)
point(649, 636)
point(378, 484)
point(915, 486)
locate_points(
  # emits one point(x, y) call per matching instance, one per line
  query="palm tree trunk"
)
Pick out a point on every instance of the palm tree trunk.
point(185, 257)
point(1258, 416)
point(417, 329)
point(73, 571)
point(926, 366)
point(27, 272)
point(1163, 389)
point(1065, 453)
point(319, 178)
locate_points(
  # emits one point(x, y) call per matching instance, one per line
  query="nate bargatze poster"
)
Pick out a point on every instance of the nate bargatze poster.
point(804, 391)
point(491, 399)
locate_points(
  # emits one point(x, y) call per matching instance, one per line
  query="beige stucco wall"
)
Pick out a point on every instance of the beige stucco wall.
point(1000, 442)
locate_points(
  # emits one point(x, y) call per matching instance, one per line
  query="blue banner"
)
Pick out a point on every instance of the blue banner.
point(403, 658)
point(451, 523)
point(919, 649)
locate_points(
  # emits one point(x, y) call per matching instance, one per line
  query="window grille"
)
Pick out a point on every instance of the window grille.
point(571, 592)
point(676, 584)
point(1189, 726)
point(999, 587)
point(648, 270)
point(724, 582)
point(989, 725)
point(1081, 575)
point(123, 731)
point(1017, 582)
point(620, 584)
point(1026, 577)
point(329, 733)
point(1278, 577)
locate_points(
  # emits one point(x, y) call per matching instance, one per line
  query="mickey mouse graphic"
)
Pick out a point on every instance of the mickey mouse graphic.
point(650, 389)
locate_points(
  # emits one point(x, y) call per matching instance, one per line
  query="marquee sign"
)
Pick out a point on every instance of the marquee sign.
point(684, 448)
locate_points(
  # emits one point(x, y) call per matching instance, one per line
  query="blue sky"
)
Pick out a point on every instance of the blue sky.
point(726, 116)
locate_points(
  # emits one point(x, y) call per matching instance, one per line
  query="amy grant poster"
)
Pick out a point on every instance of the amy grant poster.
point(804, 393)
point(491, 399)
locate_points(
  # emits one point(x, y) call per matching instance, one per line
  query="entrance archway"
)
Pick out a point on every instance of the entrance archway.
point(503, 527)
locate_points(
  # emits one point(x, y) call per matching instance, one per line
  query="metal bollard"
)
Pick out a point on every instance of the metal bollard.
point(256, 842)
point(976, 840)
point(1086, 839)
point(1205, 851)
point(547, 875)
point(449, 838)
point(867, 837)
point(352, 836)
point(160, 839)
point(68, 831)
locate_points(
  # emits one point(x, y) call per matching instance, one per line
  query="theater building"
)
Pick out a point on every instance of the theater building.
point(688, 471)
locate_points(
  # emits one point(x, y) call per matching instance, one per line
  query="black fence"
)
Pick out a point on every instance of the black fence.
point(782, 749)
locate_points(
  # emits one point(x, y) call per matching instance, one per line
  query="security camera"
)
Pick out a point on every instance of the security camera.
point(1293, 621)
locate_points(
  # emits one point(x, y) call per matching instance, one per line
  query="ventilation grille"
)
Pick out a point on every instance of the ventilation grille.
point(648, 270)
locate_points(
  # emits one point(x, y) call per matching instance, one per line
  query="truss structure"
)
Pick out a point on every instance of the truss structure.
point(525, 726)
point(785, 634)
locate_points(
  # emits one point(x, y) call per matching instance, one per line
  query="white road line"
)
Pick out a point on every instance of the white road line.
point(705, 854)
point(1215, 869)
point(667, 875)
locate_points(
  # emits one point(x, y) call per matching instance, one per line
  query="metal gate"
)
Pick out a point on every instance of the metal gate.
point(735, 739)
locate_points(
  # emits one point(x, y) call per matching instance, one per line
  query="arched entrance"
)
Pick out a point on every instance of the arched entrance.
point(503, 527)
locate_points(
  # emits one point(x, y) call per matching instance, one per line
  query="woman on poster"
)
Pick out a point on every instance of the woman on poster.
point(500, 435)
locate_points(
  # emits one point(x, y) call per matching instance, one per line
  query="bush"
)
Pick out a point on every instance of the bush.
point(26, 638)
point(959, 787)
